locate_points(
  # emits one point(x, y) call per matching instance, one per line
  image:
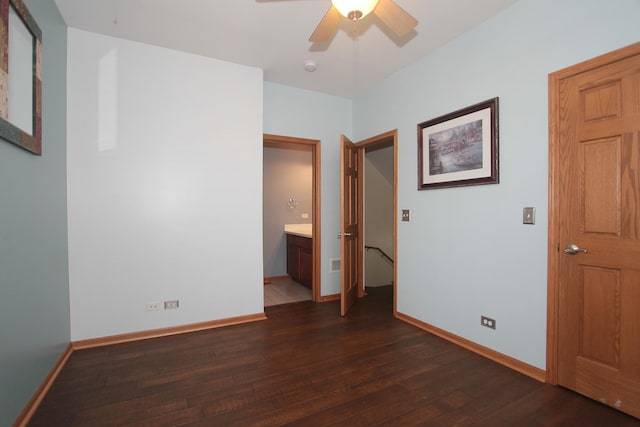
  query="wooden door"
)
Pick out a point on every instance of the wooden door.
point(349, 172)
point(598, 188)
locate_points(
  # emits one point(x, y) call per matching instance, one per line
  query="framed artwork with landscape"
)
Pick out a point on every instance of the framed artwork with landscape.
point(459, 148)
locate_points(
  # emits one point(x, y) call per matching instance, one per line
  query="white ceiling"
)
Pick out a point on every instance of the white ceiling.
point(273, 35)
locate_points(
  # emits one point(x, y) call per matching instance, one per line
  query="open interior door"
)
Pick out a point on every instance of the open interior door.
point(599, 247)
point(349, 172)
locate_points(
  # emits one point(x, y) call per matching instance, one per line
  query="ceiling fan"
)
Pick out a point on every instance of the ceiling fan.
point(393, 16)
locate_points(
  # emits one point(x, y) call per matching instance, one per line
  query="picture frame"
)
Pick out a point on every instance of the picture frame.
point(20, 77)
point(459, 148)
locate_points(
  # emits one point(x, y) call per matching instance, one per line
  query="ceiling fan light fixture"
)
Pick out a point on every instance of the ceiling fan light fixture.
point(354, 9)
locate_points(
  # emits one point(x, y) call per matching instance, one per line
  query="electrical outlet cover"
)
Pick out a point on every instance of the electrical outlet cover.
point(529, 216)
point(153, 306)
point(169, 305)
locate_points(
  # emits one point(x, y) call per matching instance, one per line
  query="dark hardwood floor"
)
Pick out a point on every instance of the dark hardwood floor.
point(307, 366)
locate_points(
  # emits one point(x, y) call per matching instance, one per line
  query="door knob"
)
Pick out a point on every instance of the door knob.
point(573, 249)
point(340, 235)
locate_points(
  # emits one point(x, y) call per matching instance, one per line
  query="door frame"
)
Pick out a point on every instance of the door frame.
point(287, 142)
point(390, 137)
point(553, 248)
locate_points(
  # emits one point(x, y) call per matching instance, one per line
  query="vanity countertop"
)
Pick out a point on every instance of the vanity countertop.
point(302, 230)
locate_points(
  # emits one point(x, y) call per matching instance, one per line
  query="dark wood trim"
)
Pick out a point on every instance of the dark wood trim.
point(28, 411)
point(503, 359)
point(279, 141)
point(553, 252)
point(163, 332)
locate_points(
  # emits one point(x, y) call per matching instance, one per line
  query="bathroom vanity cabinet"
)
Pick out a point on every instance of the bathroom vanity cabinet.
point(300, 259)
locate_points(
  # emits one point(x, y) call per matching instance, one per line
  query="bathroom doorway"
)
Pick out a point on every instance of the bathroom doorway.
point(291, 219)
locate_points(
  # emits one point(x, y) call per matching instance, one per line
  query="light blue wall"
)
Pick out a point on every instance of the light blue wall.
point(465, 252)
point(175, 186)
point(34, 284)
point(305, 114)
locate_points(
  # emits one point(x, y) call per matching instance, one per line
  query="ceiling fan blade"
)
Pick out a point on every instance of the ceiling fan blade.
point(395, 17)
point(326, 27)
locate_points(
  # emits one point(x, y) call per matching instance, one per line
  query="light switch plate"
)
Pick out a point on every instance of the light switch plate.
point(406, 215)
point(529, 215)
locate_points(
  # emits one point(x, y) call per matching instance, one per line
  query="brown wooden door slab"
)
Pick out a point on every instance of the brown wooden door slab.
point(599, 212)
point(349, 224)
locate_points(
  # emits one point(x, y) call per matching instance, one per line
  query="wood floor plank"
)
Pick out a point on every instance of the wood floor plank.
point(307, 366)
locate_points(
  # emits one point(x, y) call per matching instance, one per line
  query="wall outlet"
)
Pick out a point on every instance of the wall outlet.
point(153, 306)
point(170, 305)
point(488, 322)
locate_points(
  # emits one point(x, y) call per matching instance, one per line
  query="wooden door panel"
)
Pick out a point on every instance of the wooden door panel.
point(603, 101)
point(599, 211)
point(349, 224)
point(601, 186)
point(611, 386)
point(600, 301)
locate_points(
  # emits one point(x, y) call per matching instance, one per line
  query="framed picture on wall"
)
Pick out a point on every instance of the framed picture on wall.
point(459, 148)
point(20, 77)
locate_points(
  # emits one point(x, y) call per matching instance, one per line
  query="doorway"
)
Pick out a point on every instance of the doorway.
point(376, 166)
point(284, 208)
point(379, 251)
point(593, 345)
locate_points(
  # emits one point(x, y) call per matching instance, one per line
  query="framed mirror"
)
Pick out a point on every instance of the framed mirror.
point(20, 77)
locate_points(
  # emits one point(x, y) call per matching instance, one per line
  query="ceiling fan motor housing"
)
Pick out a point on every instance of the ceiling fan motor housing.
point(354, 9)
point(354, 15)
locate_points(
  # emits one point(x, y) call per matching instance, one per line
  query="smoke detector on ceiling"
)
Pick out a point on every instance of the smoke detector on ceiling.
point(310, 65)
